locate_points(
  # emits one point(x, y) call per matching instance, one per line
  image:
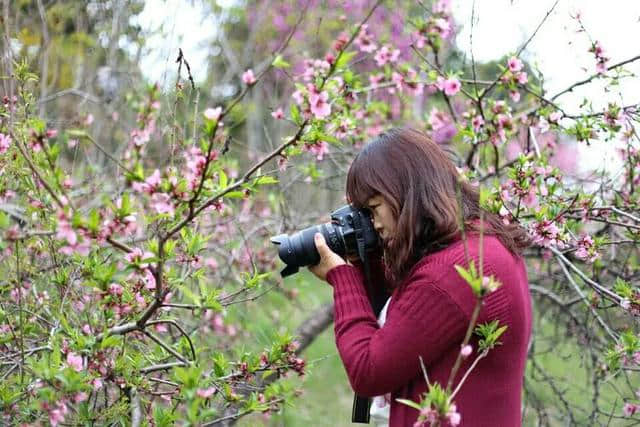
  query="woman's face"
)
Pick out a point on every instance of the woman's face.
point(383, 220)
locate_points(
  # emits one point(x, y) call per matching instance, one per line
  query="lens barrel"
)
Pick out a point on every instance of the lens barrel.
point(299, 249)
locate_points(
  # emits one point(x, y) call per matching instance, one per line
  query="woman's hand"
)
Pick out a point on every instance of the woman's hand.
point(328, 258)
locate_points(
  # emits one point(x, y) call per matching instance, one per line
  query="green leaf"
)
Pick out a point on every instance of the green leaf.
point(279, 62)
point(223, 181)
point(328, 138)
point(409, 403)
point(344, 59)
point(295, 114)
point(234, 195)
point(4, 220)
point(163, 417)
point(94, 220)
point(77, 133)
point(110, 341)
point(264, 180)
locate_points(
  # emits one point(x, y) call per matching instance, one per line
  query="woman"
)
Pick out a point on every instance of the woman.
point(418, 201)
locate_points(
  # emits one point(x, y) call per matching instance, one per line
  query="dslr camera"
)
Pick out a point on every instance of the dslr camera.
point(349, 233)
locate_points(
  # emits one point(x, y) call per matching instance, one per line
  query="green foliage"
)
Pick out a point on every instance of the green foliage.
point(489, 334)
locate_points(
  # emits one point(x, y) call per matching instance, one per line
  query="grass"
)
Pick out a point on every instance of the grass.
point(326, 395)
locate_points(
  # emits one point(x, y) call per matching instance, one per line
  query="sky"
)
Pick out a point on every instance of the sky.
point(560, 52)
point(501, 27)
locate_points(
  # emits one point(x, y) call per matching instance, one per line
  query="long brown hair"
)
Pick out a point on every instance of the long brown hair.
point(424, 189)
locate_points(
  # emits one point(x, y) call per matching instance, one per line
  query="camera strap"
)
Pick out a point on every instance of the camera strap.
point(361, 405)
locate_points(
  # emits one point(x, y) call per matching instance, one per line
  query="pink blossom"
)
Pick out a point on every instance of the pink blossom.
point(74, 361)
point(88, 120)
point(601, 60)
point(515, 95)
point(414, 88)
point(51, 133)
point(314, 67)
point(72, 142)
point(629, 409)
point(5, 142)
point(211, 263)
point(555, 116)
point(86, 329)
point(248, 77)
point(161, 202)
point(601, 67)
point(149, 279)
point(282, 163)
point(365, 40)
point(319, 105)
point(278, 114)
point(442, 27)
point(522, 78)
point(430, 415)
point(319, 149)
point(586, 249)
point(96, 383)
point(298, 97)
point(80, 397)
point(451, 86)
point(375, 79)
point(545, 233)
point(81, 247)
point(437, 119)
point(154, 180)
point(67, 183)
point(398, 79)
point(206, 393)
point(137, 256)
point(530, 199)
point(420, 40)
point(386, 55)
point(56, 415)
point(490, 284)
point(442, 6)
point(466, 351)
point(543, 125)
point(453, 416)
point(139, 137)
point(65, 232)
point(514, 64)
point(625, 304)
point(477, 122)
point(212, 113)
point(115, 289)
point(231, 330)
point(218, 323)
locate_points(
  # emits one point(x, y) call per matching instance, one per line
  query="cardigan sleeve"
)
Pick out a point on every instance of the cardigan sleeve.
point(378, 289)
point(423, 321)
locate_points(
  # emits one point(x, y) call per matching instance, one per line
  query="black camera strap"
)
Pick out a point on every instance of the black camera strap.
point(361, 405)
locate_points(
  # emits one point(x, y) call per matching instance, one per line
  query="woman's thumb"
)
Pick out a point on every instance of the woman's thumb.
point(321, 245)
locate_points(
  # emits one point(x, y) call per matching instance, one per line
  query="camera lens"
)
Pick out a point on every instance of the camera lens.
point(299, 249)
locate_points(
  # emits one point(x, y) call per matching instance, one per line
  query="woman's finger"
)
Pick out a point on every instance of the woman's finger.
point(321, 245)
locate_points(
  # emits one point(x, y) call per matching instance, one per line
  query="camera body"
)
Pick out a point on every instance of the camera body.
point(350, 232)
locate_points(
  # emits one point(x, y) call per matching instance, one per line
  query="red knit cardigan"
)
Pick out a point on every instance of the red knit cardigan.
point(428, 316)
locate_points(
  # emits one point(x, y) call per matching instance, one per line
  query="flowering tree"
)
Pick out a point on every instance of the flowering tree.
point(116, 277)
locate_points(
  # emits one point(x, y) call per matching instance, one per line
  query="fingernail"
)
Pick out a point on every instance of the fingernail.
point(316, 236)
